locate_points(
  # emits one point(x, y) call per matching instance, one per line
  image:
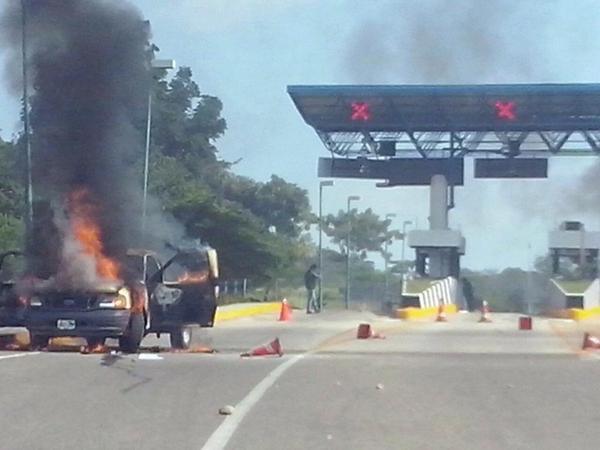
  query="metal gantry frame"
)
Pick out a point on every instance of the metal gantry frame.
point(351, 144)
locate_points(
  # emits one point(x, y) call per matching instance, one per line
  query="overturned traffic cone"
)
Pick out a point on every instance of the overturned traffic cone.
point(485, 313)
point(590, 342)
point(272, 348)
point(441, 317)
point(285, 314)
point(366, 332)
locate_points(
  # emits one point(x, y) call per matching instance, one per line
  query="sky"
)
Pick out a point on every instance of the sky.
point(247, 52)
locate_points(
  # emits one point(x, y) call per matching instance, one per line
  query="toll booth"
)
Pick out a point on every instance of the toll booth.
point(574, 254)
point(438, 249)
point(411, 135)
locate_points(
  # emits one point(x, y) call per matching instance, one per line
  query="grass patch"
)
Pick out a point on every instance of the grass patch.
point(416, 286)
point(573, 287)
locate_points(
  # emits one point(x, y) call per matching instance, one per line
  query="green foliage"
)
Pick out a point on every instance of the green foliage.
point(509, 290)
point(256, 227)
point(11, 233)
point(12, 196)
point(279, 204)
point(368, 233)
point(12, 193)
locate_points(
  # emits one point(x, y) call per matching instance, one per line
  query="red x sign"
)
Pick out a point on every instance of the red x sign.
point(360, 111)
point(505, 110)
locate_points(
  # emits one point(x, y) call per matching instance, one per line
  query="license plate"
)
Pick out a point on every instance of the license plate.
point(65, 324)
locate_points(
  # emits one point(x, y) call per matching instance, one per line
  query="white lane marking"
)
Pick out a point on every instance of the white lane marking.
point(149, 357)
point(18, 355)
point(221, 436)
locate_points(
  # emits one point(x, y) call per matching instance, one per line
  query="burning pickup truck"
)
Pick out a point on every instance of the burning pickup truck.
point(149, 302)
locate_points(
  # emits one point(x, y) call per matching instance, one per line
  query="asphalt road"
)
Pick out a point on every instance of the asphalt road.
point(455, 385)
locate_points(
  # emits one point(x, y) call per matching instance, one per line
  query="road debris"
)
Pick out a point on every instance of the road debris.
point(227, 410)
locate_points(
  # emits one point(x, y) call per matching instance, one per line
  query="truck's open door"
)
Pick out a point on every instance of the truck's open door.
point(187, 291)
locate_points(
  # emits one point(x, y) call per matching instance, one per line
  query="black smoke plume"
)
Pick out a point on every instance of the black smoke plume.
point(88, 64)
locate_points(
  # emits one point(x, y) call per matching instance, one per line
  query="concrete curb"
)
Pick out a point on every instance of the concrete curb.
point(576, 314)
point(240, 310)
point(412, 313)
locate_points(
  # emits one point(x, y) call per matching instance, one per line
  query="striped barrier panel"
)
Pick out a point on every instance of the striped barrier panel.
point(442, 292)
point(439, 292)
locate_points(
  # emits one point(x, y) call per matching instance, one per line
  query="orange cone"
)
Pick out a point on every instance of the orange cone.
point(366, 332)
point(272, 348)
point(525, 323)
point(485, 313)
point(590, 342)
point(285, 314)
point(441, 317)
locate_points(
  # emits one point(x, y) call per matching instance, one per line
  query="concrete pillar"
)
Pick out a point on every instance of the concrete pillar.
point(438, 203)
point(438, 220)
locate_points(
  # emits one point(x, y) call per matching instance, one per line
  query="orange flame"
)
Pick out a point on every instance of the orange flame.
point(193, 277)
point(86, 230)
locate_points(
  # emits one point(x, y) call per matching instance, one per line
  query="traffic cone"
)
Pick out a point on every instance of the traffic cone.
point(272, 348)
point(441, 317)
point(525, 323)
point(485, 313)
point(590, 342)
point(285, 314)
point(365, 332)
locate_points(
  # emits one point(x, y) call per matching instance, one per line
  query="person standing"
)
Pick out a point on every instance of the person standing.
point(310, 282)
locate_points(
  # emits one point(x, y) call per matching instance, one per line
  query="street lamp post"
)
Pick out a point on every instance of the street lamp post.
point(404, 224)
point(386, 261)
point(26, 137)
point(347, 296)
point(155, 64)
point(322, 184)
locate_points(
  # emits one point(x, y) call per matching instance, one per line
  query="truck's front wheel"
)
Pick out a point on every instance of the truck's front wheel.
point(131, 340)
point(181, 338)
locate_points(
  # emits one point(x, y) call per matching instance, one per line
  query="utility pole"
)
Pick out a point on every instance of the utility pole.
point(29, 223)
point(322, 184)
point(347, 296)
point(165, 64)
point(386, 261)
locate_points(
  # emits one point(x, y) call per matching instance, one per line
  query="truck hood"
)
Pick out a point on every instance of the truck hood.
point(47, 286)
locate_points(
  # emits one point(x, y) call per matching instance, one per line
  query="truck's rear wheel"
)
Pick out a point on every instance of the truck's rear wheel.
point(181, 338)
point(131, 340)
point(38, 341)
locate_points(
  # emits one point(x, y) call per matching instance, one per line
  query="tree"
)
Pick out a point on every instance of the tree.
point(232, 213)
point(509, 290)
point(368, 233)
point(279, 204)
point(12, 198)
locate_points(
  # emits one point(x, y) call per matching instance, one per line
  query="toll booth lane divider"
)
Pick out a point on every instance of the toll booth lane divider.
point(241, 310)
point(412, 313)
